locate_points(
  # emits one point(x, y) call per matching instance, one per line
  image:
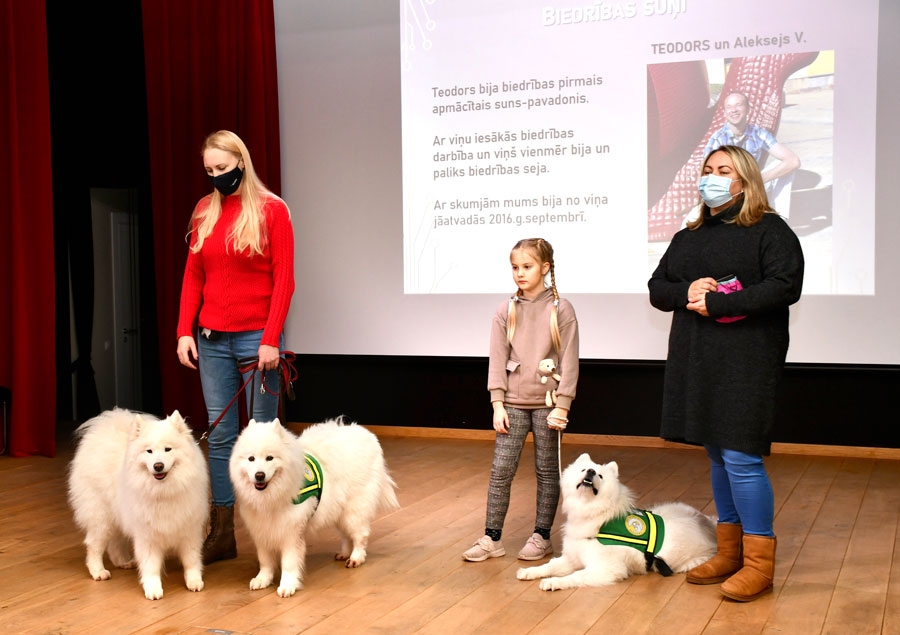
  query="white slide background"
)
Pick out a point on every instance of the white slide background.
point(387, 266)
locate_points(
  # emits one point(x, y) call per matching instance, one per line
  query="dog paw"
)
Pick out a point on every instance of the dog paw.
point(551, 584)
point(153, 590)
point(287, 590)
point(260, 582)
point(194, 583)
point(356, 558)
point(526, 573)
point(288, 586)
point(352, 562)
point(102, 574)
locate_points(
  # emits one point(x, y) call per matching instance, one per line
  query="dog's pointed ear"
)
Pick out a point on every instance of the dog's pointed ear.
point(252, 422)
point(613, 467)
point(180, 424)
point(137, 424)
point(584, 458)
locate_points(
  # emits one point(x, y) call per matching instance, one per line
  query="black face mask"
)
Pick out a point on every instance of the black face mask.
point(228, 182)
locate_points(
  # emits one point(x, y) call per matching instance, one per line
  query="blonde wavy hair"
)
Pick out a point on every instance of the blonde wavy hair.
point(542, 251)
point(249, 230)
point(755, 203)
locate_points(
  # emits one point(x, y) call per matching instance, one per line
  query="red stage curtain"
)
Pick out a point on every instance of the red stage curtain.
point(210, 65)
point(27, 281)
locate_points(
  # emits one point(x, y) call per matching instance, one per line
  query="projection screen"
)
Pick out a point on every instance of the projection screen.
point(420, 140)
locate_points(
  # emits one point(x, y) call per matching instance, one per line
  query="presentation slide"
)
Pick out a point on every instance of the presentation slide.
point(588, 125)
point(421, 139)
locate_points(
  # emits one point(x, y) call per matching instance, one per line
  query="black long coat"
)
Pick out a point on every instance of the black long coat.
point(721, 378)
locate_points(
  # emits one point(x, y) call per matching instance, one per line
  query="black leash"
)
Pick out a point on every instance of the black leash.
point(287, 372)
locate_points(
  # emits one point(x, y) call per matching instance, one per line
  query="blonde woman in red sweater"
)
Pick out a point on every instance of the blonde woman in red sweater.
point(533, 325)
point(238, 283)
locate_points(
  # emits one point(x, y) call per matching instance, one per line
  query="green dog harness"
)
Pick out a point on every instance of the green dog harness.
point(312, 481)
point(641, 530)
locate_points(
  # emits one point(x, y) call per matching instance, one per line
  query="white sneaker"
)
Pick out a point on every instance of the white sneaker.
point(484, 548)
point(536, 548)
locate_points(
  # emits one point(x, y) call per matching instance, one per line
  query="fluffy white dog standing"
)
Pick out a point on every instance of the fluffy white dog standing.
point(597, 506)
point(139, 481)
point(332, 475)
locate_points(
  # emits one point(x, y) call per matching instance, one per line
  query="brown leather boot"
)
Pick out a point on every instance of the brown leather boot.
point(728, 558)
point(220, 543)
point(755, 578)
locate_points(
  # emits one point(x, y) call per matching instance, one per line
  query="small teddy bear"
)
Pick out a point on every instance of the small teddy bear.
point(547, 370)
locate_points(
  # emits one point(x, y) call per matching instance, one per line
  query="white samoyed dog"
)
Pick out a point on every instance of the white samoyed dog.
point(331, 475)
point(606, 538)
point(139, 487)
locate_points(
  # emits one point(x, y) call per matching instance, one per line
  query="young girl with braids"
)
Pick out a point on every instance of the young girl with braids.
point(533, 325)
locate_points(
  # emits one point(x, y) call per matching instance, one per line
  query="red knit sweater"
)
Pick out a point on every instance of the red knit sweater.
point(235, 292)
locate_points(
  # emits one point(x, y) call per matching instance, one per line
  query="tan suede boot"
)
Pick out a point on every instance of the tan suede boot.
point(755, 578)
point(728, 558)
point(220, 543)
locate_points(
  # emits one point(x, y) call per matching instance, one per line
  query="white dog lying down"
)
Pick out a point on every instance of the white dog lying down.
point(332, 475)
point(606, 538)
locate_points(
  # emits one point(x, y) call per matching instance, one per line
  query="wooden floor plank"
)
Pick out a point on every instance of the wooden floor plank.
point(801, 605)
point(860, 594)
point(837, 564)
point(891, 622)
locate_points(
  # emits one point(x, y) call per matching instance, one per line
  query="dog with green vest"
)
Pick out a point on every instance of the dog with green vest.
point(332, 475)
point(606, 538)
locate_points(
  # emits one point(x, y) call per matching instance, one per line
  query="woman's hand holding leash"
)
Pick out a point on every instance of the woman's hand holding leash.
point(269, 357)
point(558, 419)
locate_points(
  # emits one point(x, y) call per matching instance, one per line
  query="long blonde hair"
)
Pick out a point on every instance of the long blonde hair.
point(541, 251)
point(755, 203)
point(249, 230)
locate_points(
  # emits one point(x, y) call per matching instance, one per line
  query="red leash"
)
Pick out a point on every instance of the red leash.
point(287, 375)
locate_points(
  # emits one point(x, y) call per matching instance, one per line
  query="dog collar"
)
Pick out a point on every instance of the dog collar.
point(312, 481)
point(640, 529)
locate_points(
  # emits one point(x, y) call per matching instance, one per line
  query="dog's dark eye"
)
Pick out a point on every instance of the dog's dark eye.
point(168, 449)
point(251, 458)
point(270, 458)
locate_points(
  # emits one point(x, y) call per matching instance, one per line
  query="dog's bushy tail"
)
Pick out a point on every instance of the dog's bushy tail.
point(387, 500)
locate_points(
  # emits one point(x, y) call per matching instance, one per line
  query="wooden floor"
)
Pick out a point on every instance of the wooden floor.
point(838, 568)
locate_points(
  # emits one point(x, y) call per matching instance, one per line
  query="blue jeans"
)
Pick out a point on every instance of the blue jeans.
point(742, 490)
point(221, 380)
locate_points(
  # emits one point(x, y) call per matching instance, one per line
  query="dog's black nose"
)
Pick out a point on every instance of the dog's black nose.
point(260, 476)
point(158, 467)
point(589, 475)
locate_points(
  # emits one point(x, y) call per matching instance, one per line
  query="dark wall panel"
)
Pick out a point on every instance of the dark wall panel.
point(829, 405)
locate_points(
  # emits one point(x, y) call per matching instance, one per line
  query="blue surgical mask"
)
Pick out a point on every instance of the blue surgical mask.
point(716, 190)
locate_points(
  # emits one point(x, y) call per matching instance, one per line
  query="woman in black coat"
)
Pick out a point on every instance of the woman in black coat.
point(729, 278)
